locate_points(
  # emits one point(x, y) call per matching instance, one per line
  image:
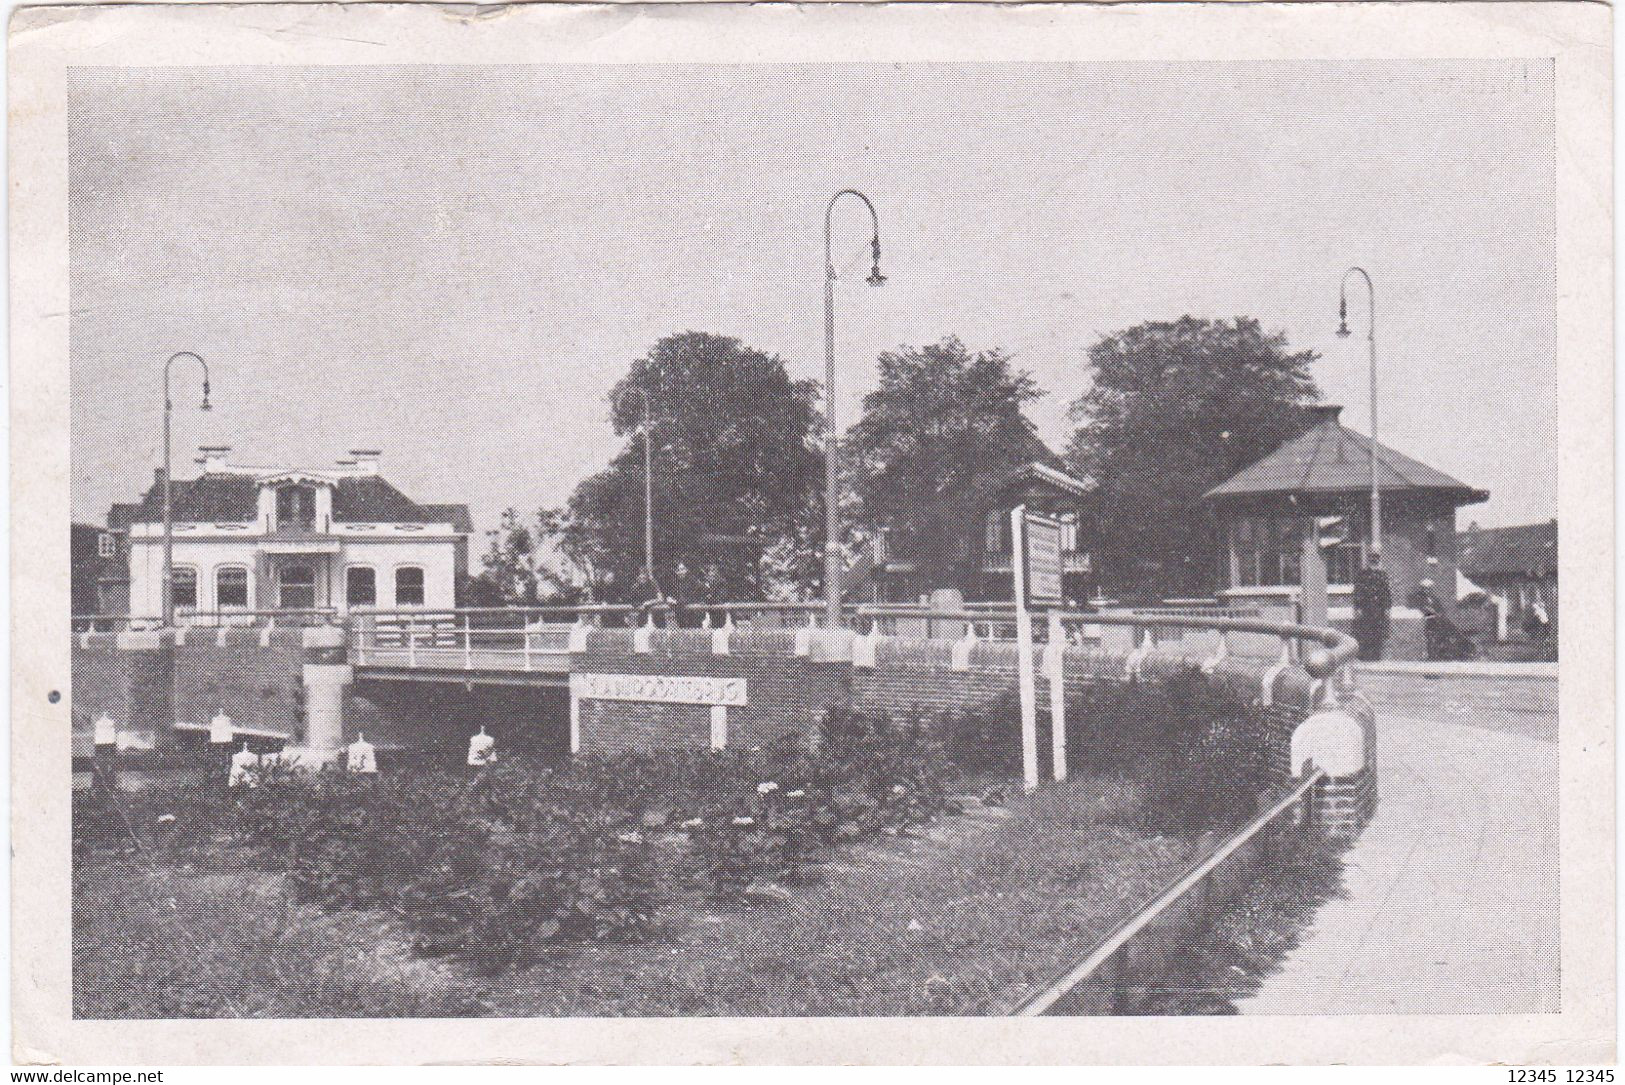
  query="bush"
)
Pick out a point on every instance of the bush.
point(861, 775)
point(1197, 752)
point(486, 866)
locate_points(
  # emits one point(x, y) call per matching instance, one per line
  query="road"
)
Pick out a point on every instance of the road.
point(1451, 901)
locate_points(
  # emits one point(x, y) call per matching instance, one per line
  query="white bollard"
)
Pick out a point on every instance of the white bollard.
point(481, 748)
point(243, 764)
point(221, 732)
point(361, 757)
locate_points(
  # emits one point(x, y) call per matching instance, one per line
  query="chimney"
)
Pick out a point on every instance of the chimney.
point(347, 466)
point(1326, 411)
point(214, 458)
point(366, 460)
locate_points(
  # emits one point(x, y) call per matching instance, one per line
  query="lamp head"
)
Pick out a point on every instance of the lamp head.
point(875, 277)
point(1343, 317)
point(206, 394)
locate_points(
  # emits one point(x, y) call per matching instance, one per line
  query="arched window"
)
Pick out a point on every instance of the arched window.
point(230, 586)
point(183, 587)
point(361, 586)
point(409, 586)
point(296, 587)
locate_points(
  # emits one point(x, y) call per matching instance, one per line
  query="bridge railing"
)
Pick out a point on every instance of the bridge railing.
point(1321, 651)
point(230, 617)
point(515, 636)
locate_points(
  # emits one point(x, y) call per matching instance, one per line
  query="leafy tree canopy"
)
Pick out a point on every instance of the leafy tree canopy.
point(737, 479)
point(1175, 408)
point(941, 419)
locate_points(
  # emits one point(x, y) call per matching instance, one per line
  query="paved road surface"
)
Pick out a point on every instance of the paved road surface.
point(1452, 890)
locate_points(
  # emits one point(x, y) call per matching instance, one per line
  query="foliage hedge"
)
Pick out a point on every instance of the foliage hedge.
point(494, 862)
point(1197, 751)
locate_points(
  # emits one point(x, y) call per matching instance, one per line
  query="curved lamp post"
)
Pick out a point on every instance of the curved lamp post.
point(1371, 342)
point(169, 527)
point(648, 500)
point(832, 512)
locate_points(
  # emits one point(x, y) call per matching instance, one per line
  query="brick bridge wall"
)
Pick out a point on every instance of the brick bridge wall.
point(787, 691)
point(254, 678)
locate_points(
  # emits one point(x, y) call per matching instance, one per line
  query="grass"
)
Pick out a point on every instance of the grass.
point(961, 918)
point(1247, 939)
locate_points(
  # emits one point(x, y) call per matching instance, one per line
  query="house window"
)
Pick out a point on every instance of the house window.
point(1069, 533)
point(230, 586)
point(361, 586)
point(104, 545)
point(296, 587)
point(296, 507)
point(183, 587)
point(409, 586)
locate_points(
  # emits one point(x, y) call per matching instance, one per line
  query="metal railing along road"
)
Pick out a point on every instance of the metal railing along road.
point(512, 637)
point(1106, 967)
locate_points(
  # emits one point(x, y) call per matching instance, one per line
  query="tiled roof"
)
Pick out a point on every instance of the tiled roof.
point(1526, 550)
point(1329, 458)
point(234, 498)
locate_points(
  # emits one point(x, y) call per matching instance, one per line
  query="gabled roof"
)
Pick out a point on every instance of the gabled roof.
point(226, 498)
point(1528, 550)
point(1331, 458)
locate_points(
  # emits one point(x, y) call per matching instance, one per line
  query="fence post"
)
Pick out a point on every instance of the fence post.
point(468, 643)
point(1055, 667)
point(411, 643)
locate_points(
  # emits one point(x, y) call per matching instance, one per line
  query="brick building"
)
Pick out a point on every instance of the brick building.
point(1264, 510)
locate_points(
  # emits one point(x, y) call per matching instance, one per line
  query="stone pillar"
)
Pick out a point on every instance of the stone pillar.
point(326, 673)
point(149, 656)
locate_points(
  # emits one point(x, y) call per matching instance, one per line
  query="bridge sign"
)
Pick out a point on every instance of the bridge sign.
point(666, 688)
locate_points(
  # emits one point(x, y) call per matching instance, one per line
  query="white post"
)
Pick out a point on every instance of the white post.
point(468, 644)
point(1055, 665)
point(411, 643)
point(719, 726)
point(1024, 653)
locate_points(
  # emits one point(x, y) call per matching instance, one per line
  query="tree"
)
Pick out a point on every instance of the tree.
point(1175, 409)
point(737, 477)
point(941, 420)
point(515, 570)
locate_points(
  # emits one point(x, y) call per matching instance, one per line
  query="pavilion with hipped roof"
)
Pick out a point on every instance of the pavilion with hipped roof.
point(1264, 510)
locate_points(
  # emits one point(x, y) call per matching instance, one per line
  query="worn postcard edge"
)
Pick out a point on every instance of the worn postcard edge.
point(45, 41)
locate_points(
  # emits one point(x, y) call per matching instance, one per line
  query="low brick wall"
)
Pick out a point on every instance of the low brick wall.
point(787, 691)
point(784, 691)
point(253, 677)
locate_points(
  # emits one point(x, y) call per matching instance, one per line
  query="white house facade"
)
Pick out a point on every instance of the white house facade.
point(257, 538)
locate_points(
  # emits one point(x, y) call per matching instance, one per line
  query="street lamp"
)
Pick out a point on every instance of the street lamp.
point(1371, 342)
point(832, 512)
point(648, 500)
point(169, 526)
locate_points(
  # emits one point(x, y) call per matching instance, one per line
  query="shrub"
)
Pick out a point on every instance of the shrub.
point(1196, 751)
point(484, 866)
point(861, 775)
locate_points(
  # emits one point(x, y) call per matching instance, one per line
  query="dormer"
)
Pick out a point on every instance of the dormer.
point(299, 502)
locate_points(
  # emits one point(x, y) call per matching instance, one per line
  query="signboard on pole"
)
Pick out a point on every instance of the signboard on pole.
point(1042, 556)
point(1019, 522)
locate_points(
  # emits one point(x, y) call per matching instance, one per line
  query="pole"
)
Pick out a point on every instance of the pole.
point(1024, 651)
point(1376, 488)
point(1371, 347)
point(648, 500)
point(169, 527)
point(832, 512)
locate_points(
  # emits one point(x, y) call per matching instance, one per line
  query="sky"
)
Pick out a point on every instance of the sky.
point(455, 264)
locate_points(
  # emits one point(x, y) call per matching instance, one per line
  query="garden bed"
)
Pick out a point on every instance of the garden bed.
point(853, 872)
point(930, 923)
